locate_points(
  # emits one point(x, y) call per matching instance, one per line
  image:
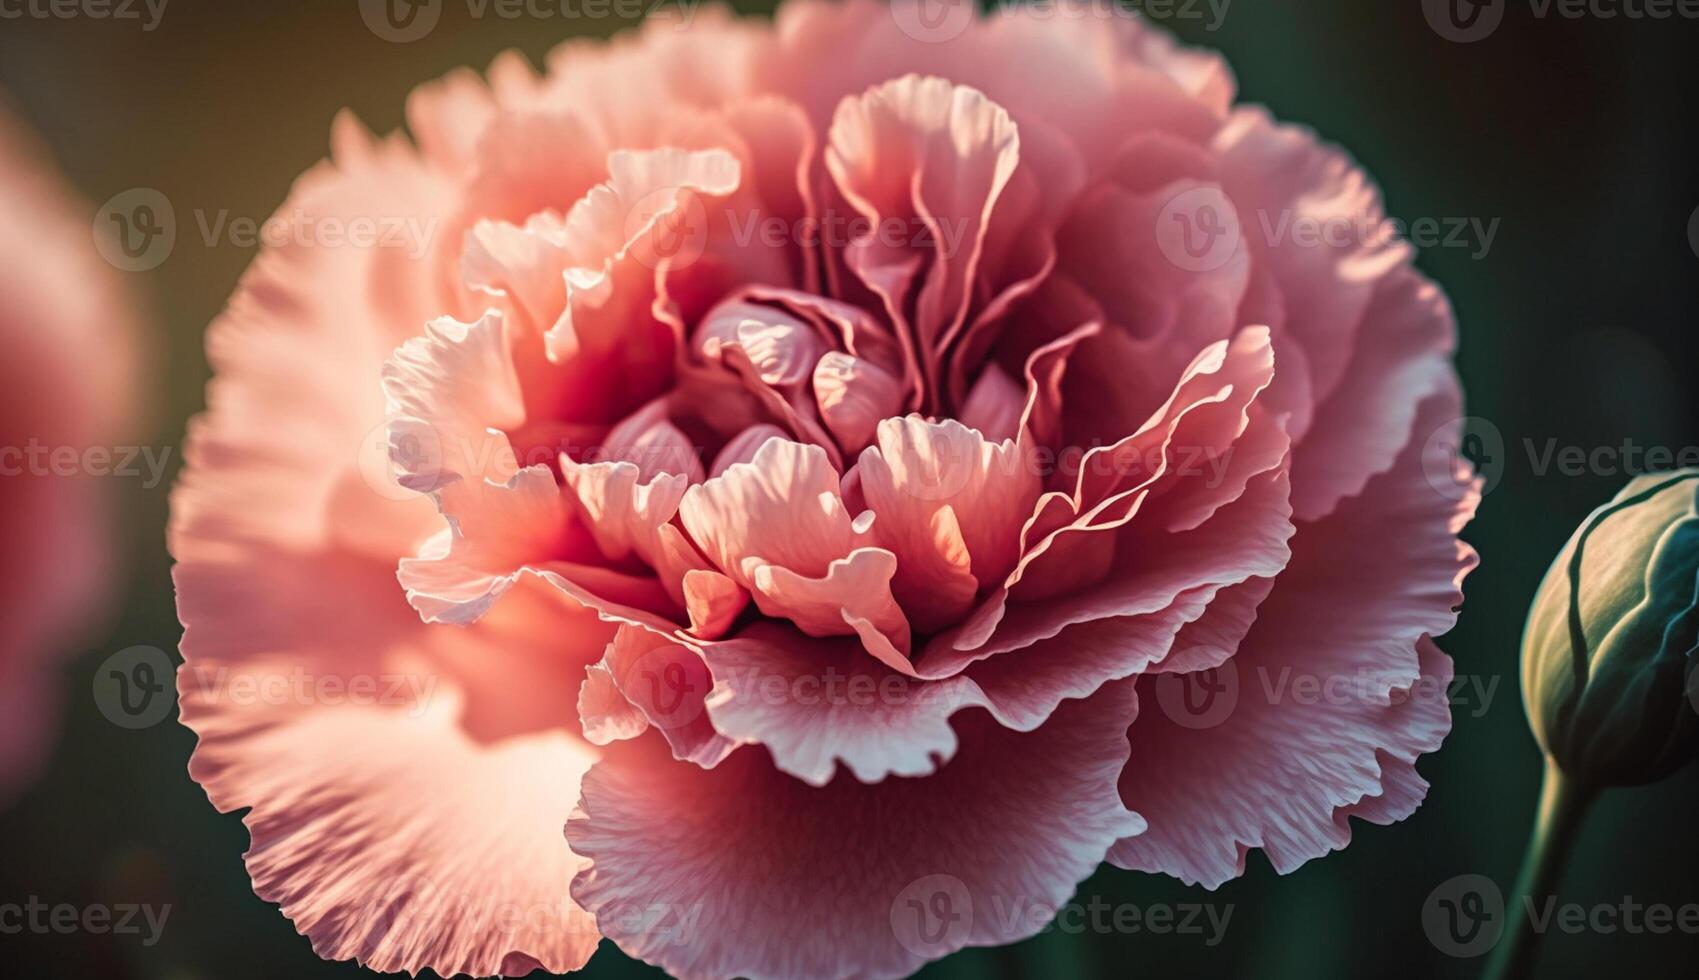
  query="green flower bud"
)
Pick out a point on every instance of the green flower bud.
point(1613, 635)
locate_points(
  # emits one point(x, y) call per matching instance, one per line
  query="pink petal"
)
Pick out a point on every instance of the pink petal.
point(782, 508)
point(782, 145)
point(853, 594)
point(743, 447)
point(1245, 539)
point(451, 392)
point(651, 442)
point(604, 712)
point(814, 702)
point(668, 685)
point(368, 747)
point(936, 155)
point(522, 264)
point(994, 405)
point(1357, 430)
point(623, 512)
point(853, 395)
point(1367, 585)
point(658, 833)
point(494, 531)
point(920, 467)
point(1025, 686)
point(1068, 573)
point(1282, 172)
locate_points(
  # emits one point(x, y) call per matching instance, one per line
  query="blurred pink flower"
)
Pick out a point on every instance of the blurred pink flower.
point(66, 386)
point(809, 447)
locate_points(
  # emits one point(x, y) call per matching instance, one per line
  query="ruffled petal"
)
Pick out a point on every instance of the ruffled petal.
point(669, 845)
point(367, 747)
point(933, 157)
point(1335, 676)
point(814, 702)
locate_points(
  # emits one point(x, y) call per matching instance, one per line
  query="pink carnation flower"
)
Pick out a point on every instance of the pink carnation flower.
point(825, 463)
point(66, 386)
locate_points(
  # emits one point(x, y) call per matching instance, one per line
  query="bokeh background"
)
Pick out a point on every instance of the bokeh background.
point(1579, 137)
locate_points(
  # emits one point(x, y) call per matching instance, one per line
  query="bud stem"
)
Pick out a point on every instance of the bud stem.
point(1563, 804)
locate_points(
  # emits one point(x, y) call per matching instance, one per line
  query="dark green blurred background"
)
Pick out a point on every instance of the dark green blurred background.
point(1578, 135)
